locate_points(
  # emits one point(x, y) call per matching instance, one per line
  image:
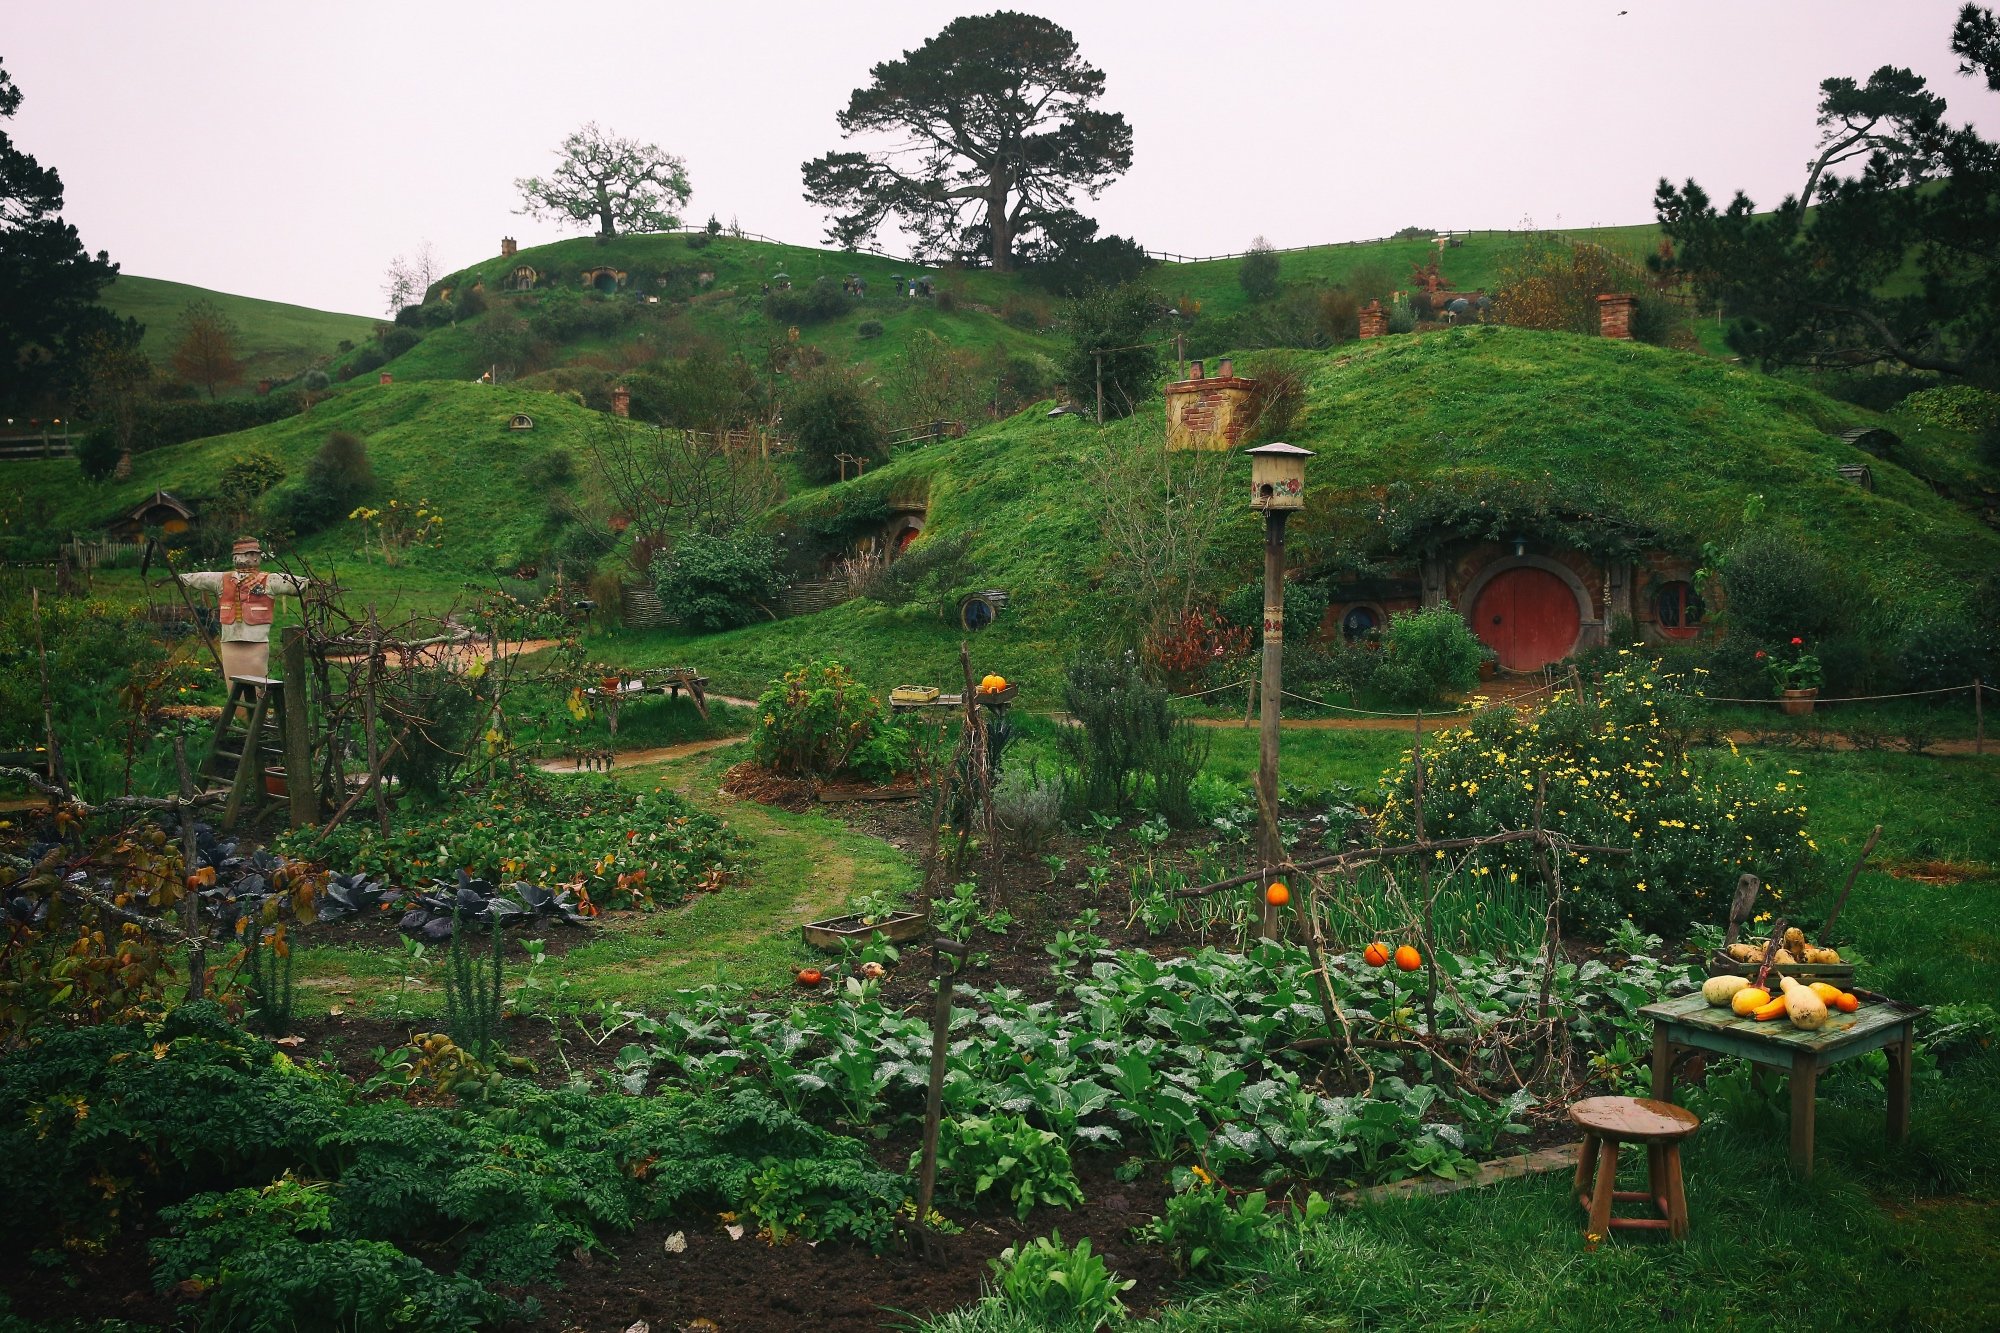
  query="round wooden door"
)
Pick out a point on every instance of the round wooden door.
point(1528, 617)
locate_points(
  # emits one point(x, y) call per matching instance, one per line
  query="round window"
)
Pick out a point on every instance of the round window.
point(1679, 608)
point(1358, 623)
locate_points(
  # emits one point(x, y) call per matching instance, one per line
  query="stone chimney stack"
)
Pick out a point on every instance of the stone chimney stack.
point(1374, 320)
point(386, 378)
point(506, 247)
point(621, 401)
point(1208, 411)
point(1614, 314)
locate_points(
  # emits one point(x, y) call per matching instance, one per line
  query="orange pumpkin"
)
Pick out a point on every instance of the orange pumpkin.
point(811, 976)
point(1377, 954)
point(1277, 895)
point(1408, 959)
point(1847, 1002)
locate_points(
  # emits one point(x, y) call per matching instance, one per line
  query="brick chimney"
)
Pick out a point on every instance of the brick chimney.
point(387, 378)
point(506, 247)
point(1208, 412)
point(1614, 314)
point(621, 401)
point(1374, 320)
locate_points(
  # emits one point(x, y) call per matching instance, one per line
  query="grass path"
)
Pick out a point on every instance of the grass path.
point(798, 868)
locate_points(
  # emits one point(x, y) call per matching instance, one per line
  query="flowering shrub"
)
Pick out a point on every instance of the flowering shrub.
point(1189, 648)
point(811, 721)
point(1619, 774)
point(612, 846)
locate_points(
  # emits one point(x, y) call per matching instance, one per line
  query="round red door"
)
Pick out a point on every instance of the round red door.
point(1528, 616)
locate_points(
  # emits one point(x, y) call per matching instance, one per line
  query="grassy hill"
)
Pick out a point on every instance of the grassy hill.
point(1674, 440)
point(277, 340)
point(725, 309)
point(447, 442)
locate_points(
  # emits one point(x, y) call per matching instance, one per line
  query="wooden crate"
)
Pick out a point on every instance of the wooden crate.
point(897, 928)
point(1833, 974)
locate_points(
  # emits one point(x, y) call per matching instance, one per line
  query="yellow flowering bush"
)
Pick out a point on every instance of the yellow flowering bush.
point(1619, 774)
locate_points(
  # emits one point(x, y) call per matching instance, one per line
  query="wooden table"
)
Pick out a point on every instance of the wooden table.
point(1689, 1024)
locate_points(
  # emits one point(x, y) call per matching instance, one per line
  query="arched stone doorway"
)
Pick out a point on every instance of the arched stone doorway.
point(1529, 610)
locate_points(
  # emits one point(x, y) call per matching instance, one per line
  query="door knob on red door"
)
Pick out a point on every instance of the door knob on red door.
point(1496, 620)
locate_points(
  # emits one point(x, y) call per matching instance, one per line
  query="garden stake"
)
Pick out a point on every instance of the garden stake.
point(197, 944)
point(153, 543)
point(1740, 904)
point(1336, 1021)
point(934, 1099)
point(1826, 931)
point(1978, 717)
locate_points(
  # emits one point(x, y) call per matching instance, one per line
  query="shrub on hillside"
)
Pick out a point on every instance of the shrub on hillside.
point(714, 583)
point(868, 328)
point(1122, 318)
point(1777, 588)
point(1258, 274)
point(812, 720)
point(97, 454)
point(829, 414)
point(335, 480)
point(366, 358)
point(1305, 607)
point(396, 341)
point(1959, 406)
point(815, 304)
point(1426, 655)
point(1619, 774)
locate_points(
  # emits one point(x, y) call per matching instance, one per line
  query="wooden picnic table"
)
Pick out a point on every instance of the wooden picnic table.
point(1689, 1024)
point(670, 681)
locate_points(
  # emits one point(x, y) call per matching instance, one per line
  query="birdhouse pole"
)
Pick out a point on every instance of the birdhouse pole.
point(1277, 486)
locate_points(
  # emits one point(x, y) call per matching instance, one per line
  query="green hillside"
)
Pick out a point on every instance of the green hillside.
point(276, 340)
point(969, 309)
point(1473, 263)
point(442, 441)
point(1675, 441)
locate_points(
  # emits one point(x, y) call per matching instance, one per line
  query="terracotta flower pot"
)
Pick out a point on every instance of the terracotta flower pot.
point(1799, 703)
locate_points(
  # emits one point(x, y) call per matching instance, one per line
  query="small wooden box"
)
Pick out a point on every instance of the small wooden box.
point(897, 928)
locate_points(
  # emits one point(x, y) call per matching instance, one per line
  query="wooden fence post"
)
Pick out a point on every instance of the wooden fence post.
point(1978, 716)
point(300, 779)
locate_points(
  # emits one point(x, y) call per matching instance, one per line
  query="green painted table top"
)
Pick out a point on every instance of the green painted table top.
point(1871, 1020)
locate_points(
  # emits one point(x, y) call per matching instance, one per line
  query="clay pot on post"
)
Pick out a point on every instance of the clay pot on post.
point(1799, 703)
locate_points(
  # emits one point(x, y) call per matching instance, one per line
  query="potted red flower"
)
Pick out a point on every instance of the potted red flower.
point(1796, 675)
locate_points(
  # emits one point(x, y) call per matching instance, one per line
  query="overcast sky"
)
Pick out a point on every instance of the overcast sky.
point(289, 151)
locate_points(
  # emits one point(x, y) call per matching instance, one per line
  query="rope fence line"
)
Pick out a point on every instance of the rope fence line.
point(1845, 699)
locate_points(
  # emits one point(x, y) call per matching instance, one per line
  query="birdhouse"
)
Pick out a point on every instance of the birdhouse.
point(1278, 476)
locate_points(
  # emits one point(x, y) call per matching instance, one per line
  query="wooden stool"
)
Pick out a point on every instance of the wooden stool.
point(1609, 1121)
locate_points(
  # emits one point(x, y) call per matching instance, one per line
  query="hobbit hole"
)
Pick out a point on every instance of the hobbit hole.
point(521, 279)
point(605, 280)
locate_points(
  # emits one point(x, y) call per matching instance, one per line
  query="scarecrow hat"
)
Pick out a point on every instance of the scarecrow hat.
point(246, 546)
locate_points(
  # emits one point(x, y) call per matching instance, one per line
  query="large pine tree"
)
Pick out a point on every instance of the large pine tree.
point(993, 132)
point(49, 316)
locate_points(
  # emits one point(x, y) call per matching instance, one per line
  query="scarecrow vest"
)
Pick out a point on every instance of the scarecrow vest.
point(244, 600)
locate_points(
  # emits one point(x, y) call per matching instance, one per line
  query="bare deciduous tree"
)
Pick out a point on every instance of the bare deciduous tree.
point(667, 483)
point(205, 350)
point(1161, 517)
point(408, 278)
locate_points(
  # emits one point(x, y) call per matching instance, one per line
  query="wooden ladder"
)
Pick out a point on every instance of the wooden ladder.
point(250, 732)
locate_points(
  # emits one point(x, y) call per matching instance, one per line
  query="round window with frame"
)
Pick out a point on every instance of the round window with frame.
point(1359, 624)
